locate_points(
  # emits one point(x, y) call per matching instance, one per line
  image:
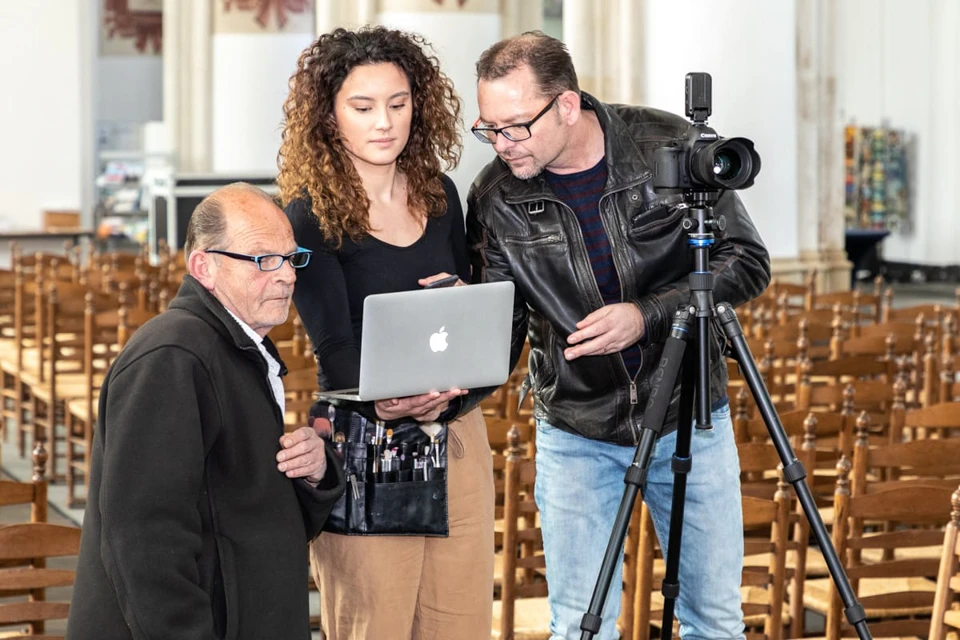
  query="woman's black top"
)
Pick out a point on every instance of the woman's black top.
point(330, 291)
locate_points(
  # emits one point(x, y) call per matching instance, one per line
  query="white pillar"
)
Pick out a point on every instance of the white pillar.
point(459, 34)
point(520, 16)
point(187, 79)
point(254, 54)
point(820, 230)
point(337, 13)
point(606, 42)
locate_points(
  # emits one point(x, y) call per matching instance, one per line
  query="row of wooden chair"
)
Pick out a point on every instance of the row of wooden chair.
point(61, 329)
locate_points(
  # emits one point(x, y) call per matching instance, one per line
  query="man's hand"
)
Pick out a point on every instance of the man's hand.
point(426, 407)
point(607, 330)
point(302, 455)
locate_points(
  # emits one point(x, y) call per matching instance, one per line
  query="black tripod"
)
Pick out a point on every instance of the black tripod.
point(700, 226)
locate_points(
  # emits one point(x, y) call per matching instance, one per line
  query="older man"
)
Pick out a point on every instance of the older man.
point(200, 508)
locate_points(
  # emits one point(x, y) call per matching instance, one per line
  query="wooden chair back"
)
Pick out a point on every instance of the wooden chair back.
point(898, 600)
point(31, 544)
point(946, 603)
point(33, 493)
point(511, 615)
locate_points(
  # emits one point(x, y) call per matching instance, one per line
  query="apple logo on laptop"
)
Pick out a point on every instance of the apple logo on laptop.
point(438, 341)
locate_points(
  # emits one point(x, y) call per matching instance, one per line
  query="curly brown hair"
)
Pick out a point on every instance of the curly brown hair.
point(313, 160)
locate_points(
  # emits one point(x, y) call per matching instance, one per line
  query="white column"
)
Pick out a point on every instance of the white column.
point(187, 79)
point(820, 230)
point(459, 34)
point(520, 16)
point(337, 13)
point(253, 55)
point(606, 42)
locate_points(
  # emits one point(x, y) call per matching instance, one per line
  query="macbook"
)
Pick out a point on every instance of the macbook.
point(427, 340)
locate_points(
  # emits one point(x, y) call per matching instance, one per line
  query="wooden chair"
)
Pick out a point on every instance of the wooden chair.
point(60, 377)
point(505, 435)
point(941, 420)
point(949, 382)
point(28, 298)
point(879, 465)
point(763, 585)
point(767, 578)
point(30, 545)
point(105, 332)
point(33, 493)
point(896, 594)
point(522, 613)
point(858, 308)
point(946, 603)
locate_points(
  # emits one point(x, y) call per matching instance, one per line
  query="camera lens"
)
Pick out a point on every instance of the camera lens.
point(726, 166)
point(728, 163)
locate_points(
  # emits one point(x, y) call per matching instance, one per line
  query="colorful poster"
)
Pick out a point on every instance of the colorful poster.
point(875, 180)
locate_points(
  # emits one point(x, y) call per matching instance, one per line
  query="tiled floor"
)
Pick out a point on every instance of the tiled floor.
point(19, 469)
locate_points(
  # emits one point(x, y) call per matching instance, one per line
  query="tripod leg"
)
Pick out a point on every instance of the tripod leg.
point(681, 466)
point(793, 470)
point(653, 417)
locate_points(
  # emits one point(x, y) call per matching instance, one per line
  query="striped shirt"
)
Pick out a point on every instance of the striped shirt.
point(581, 192)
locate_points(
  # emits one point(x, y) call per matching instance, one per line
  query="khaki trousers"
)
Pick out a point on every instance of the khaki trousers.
point(416, 587)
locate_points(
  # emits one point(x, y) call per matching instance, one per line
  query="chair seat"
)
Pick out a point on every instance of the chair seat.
point(816, 594)
point(8, 361)
point(69, 386)
point(952, 618)
point(531, 619)
point(8, 347)
point(78, 407)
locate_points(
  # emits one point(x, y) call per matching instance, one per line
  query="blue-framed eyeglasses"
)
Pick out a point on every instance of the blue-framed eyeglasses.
point(270, 261)
point(512, 132)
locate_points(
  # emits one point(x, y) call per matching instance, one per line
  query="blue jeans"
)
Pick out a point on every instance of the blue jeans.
point(578, 491)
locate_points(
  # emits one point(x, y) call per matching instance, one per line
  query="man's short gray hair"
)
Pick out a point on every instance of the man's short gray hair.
point(208, 224)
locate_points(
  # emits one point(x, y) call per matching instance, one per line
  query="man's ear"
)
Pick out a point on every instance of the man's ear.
point(569, 106)
point(203, 267)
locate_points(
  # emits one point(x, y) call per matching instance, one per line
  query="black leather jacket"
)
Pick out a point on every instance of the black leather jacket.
point(519, 230)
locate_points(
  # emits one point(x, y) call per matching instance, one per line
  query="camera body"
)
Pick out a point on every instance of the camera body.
point(702, 160)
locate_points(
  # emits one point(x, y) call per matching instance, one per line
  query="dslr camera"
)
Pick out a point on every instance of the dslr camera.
point(702, 160)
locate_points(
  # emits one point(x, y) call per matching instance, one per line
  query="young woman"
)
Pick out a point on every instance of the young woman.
point(371, 123)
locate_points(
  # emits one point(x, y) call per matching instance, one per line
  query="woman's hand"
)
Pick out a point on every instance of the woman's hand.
point(426, 282)
point(425, 407)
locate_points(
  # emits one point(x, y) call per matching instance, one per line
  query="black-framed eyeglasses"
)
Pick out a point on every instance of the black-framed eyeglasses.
point(270, 261)
point(512, 132)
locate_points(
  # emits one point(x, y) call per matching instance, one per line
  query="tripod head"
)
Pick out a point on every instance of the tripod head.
point(699, 222)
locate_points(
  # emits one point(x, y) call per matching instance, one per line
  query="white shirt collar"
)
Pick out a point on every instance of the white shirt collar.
point(247, 329)
point(273, 365)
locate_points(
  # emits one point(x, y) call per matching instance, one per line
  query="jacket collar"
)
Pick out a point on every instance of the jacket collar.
point(194, 298)
point(625, 164)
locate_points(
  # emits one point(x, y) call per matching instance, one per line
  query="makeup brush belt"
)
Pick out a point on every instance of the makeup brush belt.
point(396, 478)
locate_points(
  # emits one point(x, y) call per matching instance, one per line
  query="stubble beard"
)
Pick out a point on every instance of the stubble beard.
point(526, 173)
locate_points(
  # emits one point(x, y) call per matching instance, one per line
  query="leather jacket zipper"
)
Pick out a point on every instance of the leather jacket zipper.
point(634, 395)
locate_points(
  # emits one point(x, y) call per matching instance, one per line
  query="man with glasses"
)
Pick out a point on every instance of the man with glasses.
point(600, 262)
point(200, 507)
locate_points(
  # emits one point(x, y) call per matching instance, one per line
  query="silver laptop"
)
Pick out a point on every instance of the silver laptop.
point(432, 340)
